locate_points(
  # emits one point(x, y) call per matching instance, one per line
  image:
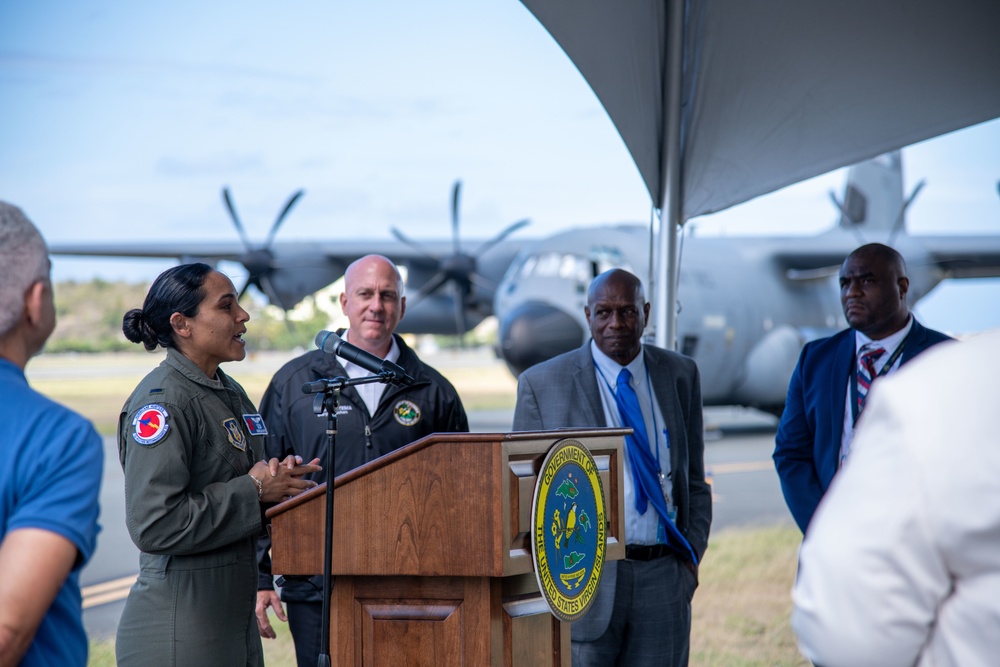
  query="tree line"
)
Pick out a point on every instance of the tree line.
point(89, 319)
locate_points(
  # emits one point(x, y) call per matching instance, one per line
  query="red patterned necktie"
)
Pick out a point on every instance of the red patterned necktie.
point(866, 372)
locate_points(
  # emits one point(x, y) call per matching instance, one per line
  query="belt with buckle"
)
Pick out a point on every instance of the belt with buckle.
point(646, 551)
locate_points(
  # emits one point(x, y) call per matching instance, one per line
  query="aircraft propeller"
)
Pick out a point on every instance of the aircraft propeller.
point(458, 269)
point(259, 261)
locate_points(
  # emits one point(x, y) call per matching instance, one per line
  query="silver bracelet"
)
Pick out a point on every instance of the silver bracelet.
point(260, 487)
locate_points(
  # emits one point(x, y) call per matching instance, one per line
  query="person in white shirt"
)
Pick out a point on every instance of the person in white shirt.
point(901, 564)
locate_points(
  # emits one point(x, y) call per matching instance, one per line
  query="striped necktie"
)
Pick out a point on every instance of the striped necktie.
point(866, 372)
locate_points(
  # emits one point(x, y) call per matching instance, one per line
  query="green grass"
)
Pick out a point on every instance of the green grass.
point(740, 611)
point(102, 654)
point(741, 608)
point(98, 384)
point(279, 652)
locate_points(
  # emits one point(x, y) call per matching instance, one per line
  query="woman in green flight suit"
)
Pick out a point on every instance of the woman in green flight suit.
point(190, 443)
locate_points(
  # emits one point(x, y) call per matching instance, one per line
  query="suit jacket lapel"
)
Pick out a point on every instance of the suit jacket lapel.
point(843, 375)
point(916, 343)
point(585, 386)
point(662, 378)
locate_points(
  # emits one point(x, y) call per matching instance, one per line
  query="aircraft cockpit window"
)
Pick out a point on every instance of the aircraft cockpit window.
point(574, 267)
point(548, 265)
point(604, 258)
point(569, 266)
point(557, 265)
point(528, 266)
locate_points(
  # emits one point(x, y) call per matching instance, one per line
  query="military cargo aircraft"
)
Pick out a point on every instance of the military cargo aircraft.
point(449, 287)
point(746, 305)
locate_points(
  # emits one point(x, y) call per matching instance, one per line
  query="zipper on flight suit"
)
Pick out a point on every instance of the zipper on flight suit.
point(368, 435)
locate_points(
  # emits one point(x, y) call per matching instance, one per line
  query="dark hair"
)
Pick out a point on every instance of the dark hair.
point(177, 290)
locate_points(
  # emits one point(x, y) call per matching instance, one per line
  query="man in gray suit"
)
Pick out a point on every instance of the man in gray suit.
point(642, 612)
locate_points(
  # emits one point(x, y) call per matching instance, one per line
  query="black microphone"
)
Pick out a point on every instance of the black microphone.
point(331, 343)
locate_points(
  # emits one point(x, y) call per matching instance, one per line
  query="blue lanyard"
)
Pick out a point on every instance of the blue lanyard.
point(655, 444)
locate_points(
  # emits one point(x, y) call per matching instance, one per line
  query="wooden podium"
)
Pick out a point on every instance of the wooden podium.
point(432, 558)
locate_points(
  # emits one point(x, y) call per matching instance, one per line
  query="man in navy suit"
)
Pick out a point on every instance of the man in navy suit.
point(641, 614)
point(827, 389)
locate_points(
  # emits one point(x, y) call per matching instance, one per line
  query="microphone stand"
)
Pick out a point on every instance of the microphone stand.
point(331, 399)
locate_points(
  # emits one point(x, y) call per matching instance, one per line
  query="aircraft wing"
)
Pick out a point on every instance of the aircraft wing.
point(208, 251)
point(289, 271)
point(965, 256)
point(957, 256)
point(338, 251)
point(811, 257)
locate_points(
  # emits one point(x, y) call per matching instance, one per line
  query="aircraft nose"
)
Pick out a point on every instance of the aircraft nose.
point(534, 332)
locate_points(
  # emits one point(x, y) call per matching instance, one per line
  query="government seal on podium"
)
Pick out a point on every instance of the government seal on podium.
point(569, 529)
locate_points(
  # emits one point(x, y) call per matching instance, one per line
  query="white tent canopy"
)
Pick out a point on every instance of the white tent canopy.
point(746, 97)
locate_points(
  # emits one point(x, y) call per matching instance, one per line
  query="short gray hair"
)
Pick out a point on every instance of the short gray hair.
point(24, 260)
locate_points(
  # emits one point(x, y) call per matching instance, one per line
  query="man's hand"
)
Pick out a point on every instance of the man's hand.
point(268, 599)
point(693, 569)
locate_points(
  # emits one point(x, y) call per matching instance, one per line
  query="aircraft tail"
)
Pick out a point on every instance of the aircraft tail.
point(873, 206)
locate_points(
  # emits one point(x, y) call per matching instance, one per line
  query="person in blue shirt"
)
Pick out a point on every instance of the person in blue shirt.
point(50, 479)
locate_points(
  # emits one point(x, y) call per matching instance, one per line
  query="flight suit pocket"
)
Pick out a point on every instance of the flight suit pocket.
point(213, 607)
point(202, 561)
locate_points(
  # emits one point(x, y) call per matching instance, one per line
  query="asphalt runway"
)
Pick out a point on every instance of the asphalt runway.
point(738, 445)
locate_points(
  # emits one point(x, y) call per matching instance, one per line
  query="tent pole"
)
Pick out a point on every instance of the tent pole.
point(671, 199)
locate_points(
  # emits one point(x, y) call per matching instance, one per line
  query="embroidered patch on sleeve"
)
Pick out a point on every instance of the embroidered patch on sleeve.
point(150, 424)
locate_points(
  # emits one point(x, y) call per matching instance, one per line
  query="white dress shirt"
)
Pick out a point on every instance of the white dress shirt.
point(889, 344)
point(639, 528)
point(371, 392)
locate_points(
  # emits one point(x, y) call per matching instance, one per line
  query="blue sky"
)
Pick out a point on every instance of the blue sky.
point(122, 122)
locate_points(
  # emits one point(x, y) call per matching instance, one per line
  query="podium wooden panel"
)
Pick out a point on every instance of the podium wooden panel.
point(431, 550)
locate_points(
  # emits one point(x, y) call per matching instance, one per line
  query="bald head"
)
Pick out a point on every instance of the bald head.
point(873, 287)
point(373, 302)
point(368, 263)
point(881, 254)
point(618, 277)
point(617, 313)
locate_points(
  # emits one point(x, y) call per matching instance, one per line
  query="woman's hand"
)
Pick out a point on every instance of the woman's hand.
point(280, 480)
